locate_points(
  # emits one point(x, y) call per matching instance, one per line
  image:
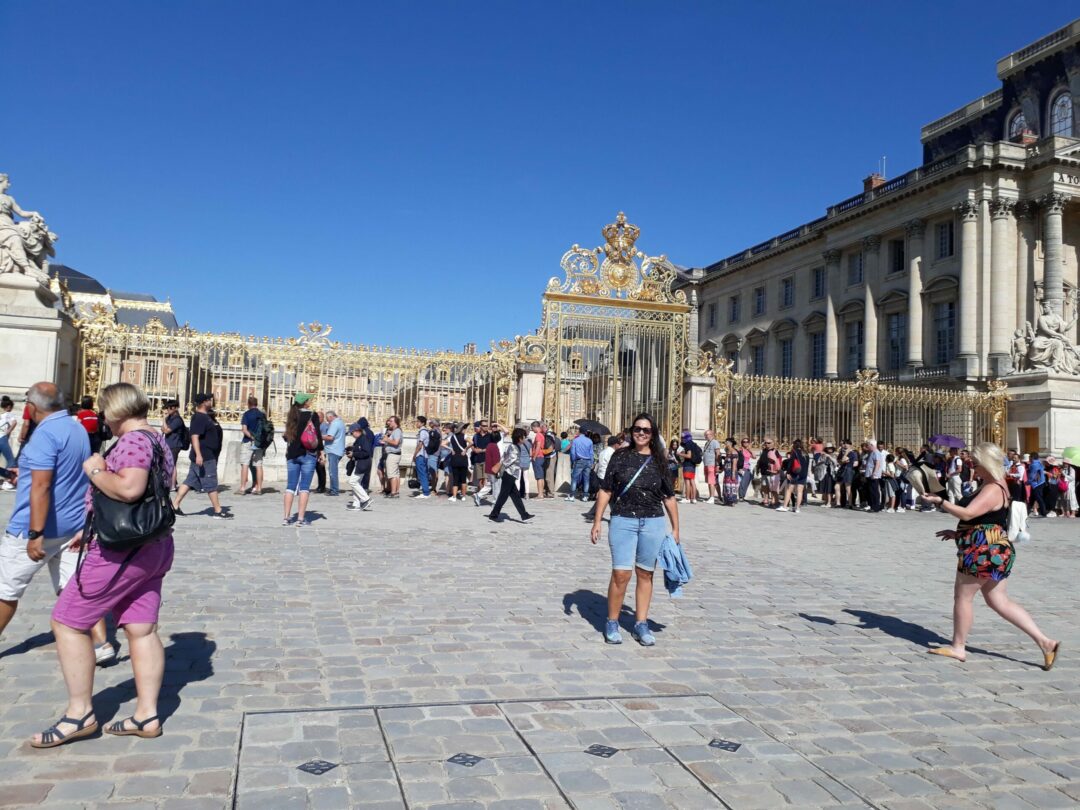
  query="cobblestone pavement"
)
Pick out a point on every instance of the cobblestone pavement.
point(386, 642)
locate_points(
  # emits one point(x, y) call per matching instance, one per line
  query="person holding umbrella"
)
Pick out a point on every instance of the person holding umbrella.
point(985, 556)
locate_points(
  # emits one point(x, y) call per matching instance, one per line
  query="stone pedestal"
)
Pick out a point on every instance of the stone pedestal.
point(697, 405)
point(1048, 403)
point(530, 390)
point(37, 341)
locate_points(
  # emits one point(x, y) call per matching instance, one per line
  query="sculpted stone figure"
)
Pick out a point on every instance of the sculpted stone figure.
point(1049, 345)
point(24, 246)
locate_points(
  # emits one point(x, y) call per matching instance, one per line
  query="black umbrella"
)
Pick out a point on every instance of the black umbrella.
point(592, 426)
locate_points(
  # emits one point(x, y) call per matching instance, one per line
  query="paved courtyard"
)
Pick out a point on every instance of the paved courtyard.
point(792, 673)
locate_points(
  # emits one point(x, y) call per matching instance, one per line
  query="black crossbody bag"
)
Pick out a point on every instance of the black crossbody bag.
point(121, 526)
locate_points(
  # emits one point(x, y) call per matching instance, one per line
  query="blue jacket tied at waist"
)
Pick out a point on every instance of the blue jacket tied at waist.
point(676, 567)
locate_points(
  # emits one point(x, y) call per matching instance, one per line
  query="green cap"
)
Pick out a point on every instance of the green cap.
point(301, 399)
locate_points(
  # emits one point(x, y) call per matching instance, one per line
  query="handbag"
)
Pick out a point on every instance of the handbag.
point(121, 526)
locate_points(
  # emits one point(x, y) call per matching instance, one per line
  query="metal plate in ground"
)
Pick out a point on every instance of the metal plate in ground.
point(531, 752)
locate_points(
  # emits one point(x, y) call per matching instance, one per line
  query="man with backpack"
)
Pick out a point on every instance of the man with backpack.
point(420, 457)
point(206, 438)
point(176, 433)
point(358, 468)
point(691, 456)
point(251, 449)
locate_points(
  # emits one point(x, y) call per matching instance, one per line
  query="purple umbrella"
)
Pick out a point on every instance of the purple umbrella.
point(945, 440)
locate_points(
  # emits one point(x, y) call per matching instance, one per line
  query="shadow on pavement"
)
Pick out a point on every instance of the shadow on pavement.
point(592, 607)
point(187, 660)
point(40, 640)
point(915, 633)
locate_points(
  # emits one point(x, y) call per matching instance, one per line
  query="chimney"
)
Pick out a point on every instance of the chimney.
point(872, 182)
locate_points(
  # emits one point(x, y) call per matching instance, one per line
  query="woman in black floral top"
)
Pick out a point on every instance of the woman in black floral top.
point(639, 490)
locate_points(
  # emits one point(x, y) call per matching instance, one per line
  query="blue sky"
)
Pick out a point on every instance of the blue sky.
point(412, 172)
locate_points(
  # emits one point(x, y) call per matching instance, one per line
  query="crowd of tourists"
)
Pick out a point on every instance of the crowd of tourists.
point(101, 520)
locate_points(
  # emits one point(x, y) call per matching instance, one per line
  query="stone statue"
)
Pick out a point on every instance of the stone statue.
point(1019, 351)
point(1048, 344)
point(24, 246)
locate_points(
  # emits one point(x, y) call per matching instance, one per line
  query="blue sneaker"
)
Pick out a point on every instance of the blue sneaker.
point(643, 635)
point(611, 633)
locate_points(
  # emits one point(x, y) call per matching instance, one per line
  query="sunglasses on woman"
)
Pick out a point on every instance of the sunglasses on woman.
point(641, 429)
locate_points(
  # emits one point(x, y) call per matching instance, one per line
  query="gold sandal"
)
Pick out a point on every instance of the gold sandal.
point(1050, 657)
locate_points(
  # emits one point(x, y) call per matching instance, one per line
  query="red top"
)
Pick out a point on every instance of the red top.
point(492, 456)
point(89, 420)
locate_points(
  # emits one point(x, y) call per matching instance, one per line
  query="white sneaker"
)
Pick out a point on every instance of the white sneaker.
point(421, 497)
point(890, 511)
point(782, 509)
point(7, 486)
point(900, 509)
point(826, 506)
point(795, 512)
point(104, 654)
point(1051, 514)
point(711, 500)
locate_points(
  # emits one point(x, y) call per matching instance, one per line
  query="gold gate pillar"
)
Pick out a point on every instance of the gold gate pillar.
point(999, 404)
point(866, 385)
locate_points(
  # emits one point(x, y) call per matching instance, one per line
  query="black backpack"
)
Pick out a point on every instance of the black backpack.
point(264, 439)
point(185, 436)
point(434, 442)
point(695, 453)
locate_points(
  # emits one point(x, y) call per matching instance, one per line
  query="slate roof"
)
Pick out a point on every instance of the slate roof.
point(78, 282)
point(140, 317)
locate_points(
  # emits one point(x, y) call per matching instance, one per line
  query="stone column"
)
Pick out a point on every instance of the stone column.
point(1053, 205)
point(1025, 264)
point(694, 349)
point(871, 251)
point(915, 229)
point(1002, 284)
point(832, 284)
point(969, 288)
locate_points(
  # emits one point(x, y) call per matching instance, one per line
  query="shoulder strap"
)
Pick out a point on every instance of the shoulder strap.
point(630, 483)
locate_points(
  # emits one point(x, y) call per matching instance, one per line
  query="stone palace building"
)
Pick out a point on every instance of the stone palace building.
point(938, 276)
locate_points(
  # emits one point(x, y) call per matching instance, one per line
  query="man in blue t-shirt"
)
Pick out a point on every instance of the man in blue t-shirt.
point(581, 458)
point(333, 446)
point(49, 500)
point(251, 453)
point(1037, 481)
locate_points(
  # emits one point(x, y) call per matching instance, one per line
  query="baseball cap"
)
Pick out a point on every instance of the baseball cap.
point(201, 398)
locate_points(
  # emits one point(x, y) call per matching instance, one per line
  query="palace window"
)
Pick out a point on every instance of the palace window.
point(757, 354)
point(787, 292)
point(712, 316)
point(853, 346)
point(817, 355)
point(759, 300)
point(150, 374)
point(944, 232)
point(945, 332)
point(787, 355)
point(444, 403)
point(234, 391)
point(733, 357)
point(733, 309)
point(855, 269)
point(1061, 115)
point(819, 282)
point(1018, 127)
point(897, 330)
point(897, 259)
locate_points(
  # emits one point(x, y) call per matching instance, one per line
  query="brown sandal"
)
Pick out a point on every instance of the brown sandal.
point(119, 730)
point(52, 736)
point(1050, 657)
point(947, 652)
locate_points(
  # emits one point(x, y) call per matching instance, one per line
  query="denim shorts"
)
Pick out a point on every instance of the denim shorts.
point(636, 542)
point(300, 472)
point(538, 469)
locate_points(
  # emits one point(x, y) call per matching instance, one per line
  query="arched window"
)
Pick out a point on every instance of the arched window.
point(1061, 115)
point(1017, 127)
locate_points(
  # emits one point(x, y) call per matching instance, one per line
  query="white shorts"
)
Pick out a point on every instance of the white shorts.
point(393, 465)
point(251, 455)
point(17, 569)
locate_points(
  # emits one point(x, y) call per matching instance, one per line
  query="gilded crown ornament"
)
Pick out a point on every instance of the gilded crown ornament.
point(618, 270)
